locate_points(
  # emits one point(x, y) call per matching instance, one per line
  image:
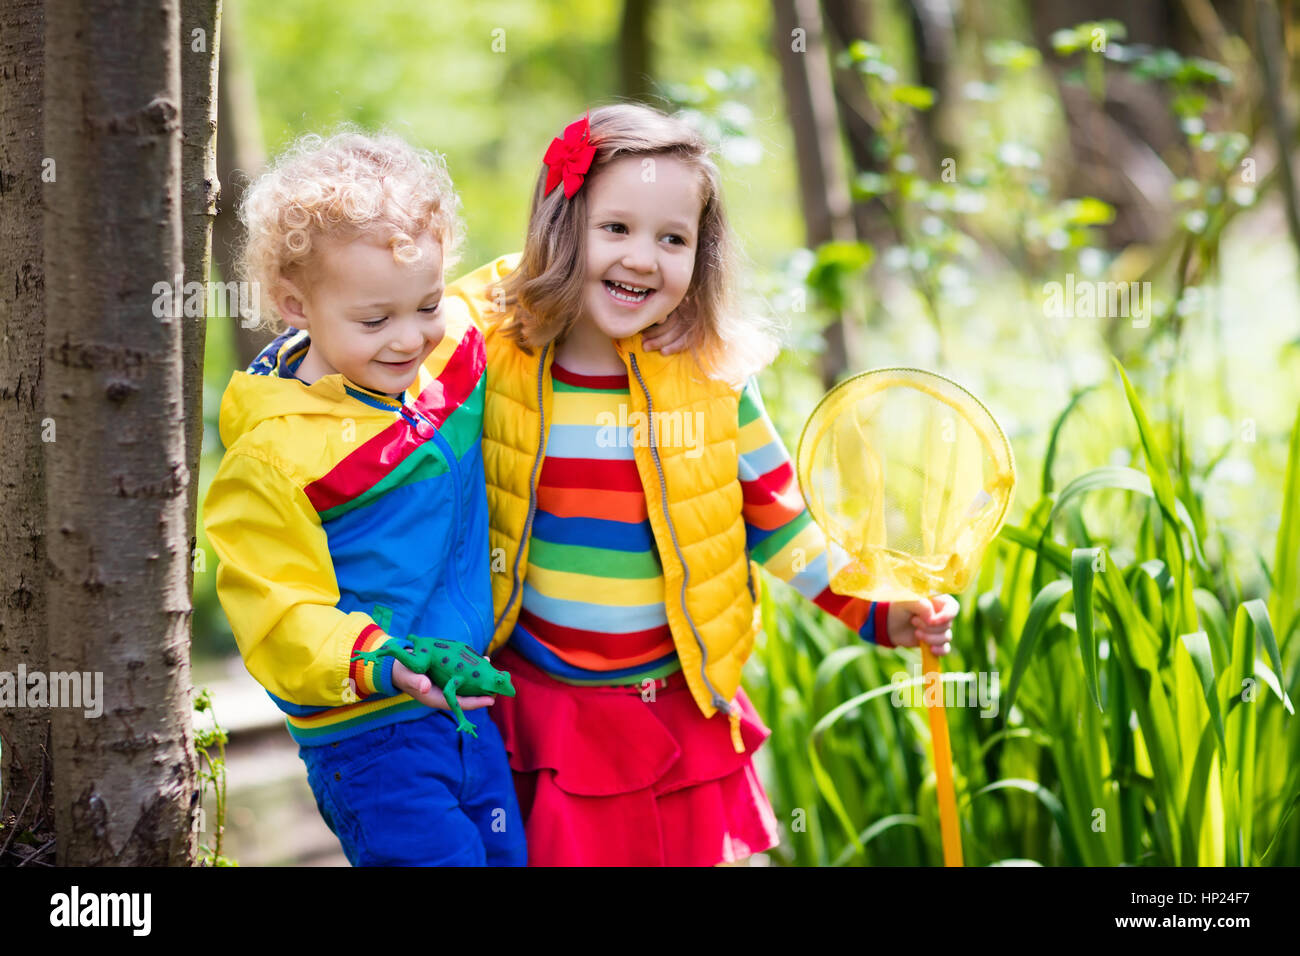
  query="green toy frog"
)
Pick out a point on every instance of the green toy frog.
point(453, 667)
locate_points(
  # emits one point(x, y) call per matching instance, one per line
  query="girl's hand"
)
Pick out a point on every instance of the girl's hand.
point(421, 688)
point(668, 336)
point(911, 622)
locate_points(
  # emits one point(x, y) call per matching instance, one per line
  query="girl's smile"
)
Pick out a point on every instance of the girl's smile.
point(627, 293)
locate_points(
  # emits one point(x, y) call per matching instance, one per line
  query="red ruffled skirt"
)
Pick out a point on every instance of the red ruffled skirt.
point(605, 778)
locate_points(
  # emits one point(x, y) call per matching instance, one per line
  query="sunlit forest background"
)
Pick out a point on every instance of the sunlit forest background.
point(978, 152)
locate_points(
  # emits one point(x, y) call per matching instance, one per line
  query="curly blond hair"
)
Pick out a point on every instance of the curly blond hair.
point(346, 186)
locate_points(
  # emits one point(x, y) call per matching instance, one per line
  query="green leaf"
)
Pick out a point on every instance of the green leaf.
point(1107, 476)
point(862, 50)
point(1198, 646)
point(880, 826)
point(1258, 612)
point(869, 185)
point(1198, 70)
point(1088, 212)
point(1083, 561)
point(1284, 601)
point(1044, 604)
point(1066, 41)
point(1058, 555)
point(1281, 827)
point(835, 262)
point(918, 97)
point(824, 782)
point(1048, 799)
point(1050, 457)
point(1184, 619)
point(1013, 55)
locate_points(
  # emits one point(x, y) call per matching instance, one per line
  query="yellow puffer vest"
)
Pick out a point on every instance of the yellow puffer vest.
point(692, 488)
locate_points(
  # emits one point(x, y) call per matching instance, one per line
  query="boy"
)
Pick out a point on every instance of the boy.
point(349, 511)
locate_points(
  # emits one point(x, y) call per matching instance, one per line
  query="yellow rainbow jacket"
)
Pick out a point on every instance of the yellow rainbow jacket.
point(344, 518)
point(694, 503)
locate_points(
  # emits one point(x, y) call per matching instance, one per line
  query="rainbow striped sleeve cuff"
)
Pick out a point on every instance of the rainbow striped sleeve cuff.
point(876, 627)
point(371, 679)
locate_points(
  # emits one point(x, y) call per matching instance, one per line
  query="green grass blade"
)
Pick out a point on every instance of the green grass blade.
point(1085, 561)
point(824, 782)
point(1048, 799)
point(1216, 626)
point(876, 829)
point(1198, 646)
point(1108, 476)
point(1133, 642)
point(1184, 620)
point(1044, 604)
point(1057, 554)
point(1049, 458)
point(1285, 598)
point(1258, 612)
point(1200, 802)
point(1281, 828)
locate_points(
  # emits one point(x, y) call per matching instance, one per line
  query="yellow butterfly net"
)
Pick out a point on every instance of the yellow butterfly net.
point(910, 474)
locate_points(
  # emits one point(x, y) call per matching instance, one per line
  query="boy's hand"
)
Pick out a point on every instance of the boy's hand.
point(421, 688)
point(668, 336)
point(911, 622)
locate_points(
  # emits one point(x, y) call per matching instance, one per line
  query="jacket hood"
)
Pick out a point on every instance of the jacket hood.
point(261, 391)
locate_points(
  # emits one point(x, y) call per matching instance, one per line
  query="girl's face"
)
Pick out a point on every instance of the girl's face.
point(643, 217)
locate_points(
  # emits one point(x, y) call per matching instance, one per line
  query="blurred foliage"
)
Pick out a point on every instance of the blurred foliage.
point(490, 84)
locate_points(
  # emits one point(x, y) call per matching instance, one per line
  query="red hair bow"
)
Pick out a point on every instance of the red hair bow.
point(568, 158)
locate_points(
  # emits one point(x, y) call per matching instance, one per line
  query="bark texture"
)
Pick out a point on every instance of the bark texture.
point(124, 783)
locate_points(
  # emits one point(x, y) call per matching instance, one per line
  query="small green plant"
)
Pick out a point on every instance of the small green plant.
point(212, 773)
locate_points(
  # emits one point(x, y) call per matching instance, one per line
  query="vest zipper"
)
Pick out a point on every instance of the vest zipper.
point(718, 701)
point(532, 488)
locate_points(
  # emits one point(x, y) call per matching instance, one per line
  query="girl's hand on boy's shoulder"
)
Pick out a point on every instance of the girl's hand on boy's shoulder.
point(668, 336)
point(421, 688)
point(911, 622)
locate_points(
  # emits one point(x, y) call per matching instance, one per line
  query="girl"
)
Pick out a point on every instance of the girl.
point(630, 494)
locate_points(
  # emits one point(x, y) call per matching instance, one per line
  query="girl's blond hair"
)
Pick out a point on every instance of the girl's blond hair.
point(545, 290)
point(346, 186)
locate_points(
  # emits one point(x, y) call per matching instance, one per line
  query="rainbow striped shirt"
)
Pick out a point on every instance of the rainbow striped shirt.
point(593, 596)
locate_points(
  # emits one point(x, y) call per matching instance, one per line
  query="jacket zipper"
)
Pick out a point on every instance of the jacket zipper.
point(718, 701)
point(413, 417)
point(532, 489)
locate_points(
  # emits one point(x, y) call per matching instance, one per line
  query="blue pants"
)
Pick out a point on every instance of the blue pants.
point(420, 793)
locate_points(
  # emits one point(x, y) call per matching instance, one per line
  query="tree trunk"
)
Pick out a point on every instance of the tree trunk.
point(634, 49)
point(823, 189)
point(200, 46)
point(124, 782)
point(240, 158)
point(1272, 61)
point(26, 798)
point(847, 21)
point(1116, 146)
point(935, 42)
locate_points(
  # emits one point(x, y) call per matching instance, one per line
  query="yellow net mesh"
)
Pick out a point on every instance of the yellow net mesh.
point(909, 474)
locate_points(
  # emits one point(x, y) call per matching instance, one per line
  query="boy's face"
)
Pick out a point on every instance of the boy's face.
point(370, 317)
